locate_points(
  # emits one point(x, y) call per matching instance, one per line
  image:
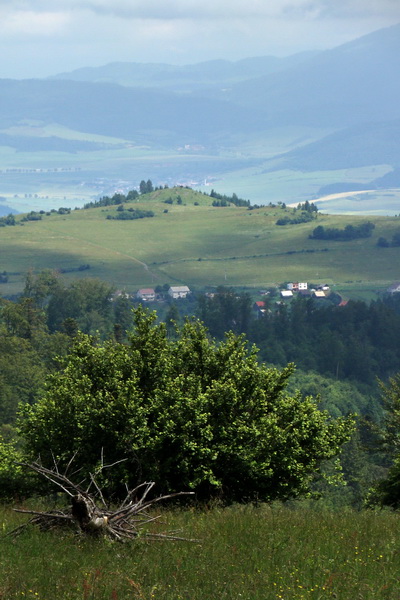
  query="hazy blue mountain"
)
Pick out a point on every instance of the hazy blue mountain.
point(358, 146)
point(209, 74)
point(390, 180)
point(129, 113)
point(5, 209)
point(233, 114)
point(49, 144)
point(343, 187)
point(354, 83)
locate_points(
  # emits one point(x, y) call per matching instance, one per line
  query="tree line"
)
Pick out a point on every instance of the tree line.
point(350, 232)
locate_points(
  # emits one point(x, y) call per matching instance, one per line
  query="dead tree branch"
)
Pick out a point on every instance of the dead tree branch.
point(90, 513)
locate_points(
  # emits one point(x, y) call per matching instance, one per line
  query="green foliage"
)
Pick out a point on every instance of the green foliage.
point(395, 242)
point(21, 375)
point(350, 232)
point(32, 216)
point(131, 214)
point(8, 220)
point(13, 480)
point(339, 398)
point(87, 301)
point(303, 217)
point(307, 207)
point(391, 432)
point(387, 491)
point(356, 342)
point(223, 200)
point(396, 239)
point(382, 242)
point(226, 310)
point(186, 412)
point(40, 287)
point(116, 199)
point(146, 187)
point(302, 214)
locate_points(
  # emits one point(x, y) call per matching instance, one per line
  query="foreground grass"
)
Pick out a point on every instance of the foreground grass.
point(248, 553)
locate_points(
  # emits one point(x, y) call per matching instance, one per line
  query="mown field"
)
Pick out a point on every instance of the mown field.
point(246, 553)
point(198, 245)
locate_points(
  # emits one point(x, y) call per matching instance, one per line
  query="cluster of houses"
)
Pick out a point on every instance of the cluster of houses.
point(302, 289)
point(293, 288)
point(174, 291)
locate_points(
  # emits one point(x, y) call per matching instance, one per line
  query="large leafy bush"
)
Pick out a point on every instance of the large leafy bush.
point(188, 413)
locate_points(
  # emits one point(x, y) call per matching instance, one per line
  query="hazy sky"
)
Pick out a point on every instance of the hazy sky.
point(45, 37)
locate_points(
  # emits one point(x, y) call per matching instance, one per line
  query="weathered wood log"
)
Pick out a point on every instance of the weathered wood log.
point(86, 515)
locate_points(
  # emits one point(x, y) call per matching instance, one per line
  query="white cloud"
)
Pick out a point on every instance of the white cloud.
point(356, 9)
point(220, 9)
point(68, 34)
point(33, 23)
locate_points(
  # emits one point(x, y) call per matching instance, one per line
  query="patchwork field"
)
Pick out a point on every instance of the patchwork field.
point(35, 179)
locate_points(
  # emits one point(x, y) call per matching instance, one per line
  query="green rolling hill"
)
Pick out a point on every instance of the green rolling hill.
point(197, 244)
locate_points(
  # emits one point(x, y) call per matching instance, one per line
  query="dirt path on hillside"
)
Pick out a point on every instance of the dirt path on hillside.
point(117, 252)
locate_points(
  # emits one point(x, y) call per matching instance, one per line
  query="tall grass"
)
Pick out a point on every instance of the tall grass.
point(246, 553)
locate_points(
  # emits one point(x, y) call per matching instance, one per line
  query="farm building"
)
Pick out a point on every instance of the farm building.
point(147, 294)
point(297, 286)
point(259, 308)
point(178, 291)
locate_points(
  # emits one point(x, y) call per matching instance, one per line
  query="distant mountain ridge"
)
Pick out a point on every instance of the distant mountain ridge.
point(184, 78)
point(128, 113)
point(353, 83)
point(357, 146)
point(217, 115)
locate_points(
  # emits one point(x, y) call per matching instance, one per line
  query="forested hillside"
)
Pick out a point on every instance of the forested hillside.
point(339, 351)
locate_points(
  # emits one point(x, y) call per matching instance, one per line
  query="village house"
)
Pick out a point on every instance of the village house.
point(146, 294)
point(297, 286)
point(178, 291)
point(259, 308)
point(119, 294)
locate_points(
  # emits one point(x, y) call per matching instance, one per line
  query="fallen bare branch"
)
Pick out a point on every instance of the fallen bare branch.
point(122, 523)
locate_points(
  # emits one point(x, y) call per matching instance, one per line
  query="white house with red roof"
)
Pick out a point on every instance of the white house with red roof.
point(147, 294)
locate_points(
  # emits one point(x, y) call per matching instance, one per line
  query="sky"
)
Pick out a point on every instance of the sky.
point(39, 38)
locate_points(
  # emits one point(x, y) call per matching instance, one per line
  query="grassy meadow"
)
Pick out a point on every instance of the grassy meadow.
point(197, 245)
point(244, 552)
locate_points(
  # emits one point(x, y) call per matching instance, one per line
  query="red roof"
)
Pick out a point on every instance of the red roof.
point(260, 303)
